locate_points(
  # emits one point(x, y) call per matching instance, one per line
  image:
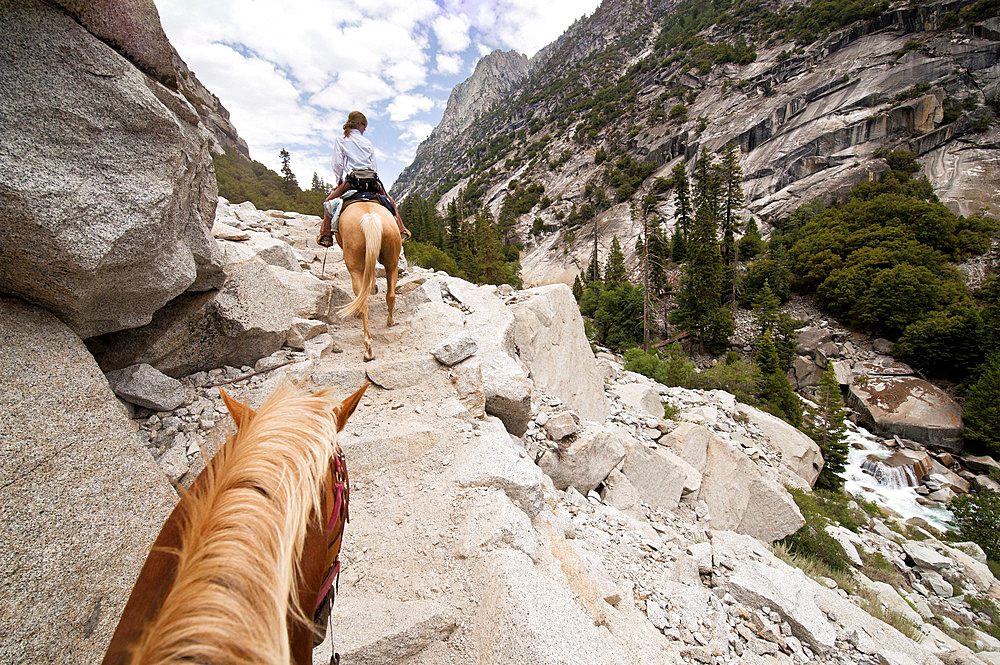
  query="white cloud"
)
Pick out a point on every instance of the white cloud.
point(452, 31)
point(448, 64)
point(527, 25)
point(352, 90)
point(289, 72)
point(416, 131)
point(404, 107)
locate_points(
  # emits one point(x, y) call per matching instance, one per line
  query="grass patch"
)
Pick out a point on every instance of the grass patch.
point(813, 567)
point(987, 606)
point(670, 411)
point(822, 508)
point(878, 568)
point(871, 604)
point(866, 600)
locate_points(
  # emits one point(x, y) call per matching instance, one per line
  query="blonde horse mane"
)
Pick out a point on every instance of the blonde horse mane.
point(243, 531)
point(371, 227)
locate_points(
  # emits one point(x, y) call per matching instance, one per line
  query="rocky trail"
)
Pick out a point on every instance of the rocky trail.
point(492, 521)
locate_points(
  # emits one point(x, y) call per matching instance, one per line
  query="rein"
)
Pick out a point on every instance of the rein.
point(339, 516)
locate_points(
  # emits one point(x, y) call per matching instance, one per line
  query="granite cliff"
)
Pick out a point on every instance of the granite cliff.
point(808, 116)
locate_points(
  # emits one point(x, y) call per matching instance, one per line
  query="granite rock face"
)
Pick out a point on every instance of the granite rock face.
point(108, 192)
point(130, 27)
point(809, 122)
point(909, 407)
point(496, 74)
point(81, 501)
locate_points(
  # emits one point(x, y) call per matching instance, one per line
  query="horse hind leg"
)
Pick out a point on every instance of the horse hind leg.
point(390, 293)
point(369, 354)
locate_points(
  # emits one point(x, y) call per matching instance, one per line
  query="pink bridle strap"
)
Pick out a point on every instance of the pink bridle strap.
point(327, 585)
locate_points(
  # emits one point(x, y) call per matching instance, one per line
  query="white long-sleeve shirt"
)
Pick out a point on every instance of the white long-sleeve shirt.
point(352, 152)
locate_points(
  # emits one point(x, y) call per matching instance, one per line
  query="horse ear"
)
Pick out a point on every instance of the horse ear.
point(343, 411)
point(240, 412)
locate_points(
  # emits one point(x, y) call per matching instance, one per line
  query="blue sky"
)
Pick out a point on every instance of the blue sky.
point(289, 72)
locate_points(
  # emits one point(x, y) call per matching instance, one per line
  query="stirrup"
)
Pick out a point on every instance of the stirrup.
point(324, 241)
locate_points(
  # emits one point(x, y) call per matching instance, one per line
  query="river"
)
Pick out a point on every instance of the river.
point(890, 489)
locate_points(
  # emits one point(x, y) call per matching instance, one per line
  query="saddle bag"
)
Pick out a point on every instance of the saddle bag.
point(363, 180)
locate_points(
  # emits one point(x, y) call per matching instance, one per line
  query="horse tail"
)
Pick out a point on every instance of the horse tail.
point(371, 227)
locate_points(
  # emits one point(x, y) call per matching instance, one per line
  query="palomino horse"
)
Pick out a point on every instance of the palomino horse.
point(246, 560)
point(367, 233)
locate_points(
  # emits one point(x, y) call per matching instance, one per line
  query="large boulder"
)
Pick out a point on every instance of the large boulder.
point(740, 496)
point(525, 616)
point(908, 407)
point(494, 460)
point(548, 332)
point(310, 296)
point(81, 499)
point(799, 453)
point(659, 476)
point(264, 246)
point(585, 460)
point(247, 319)
point(490, 323)
point(107, 194)
point(640, 398)
point(148, 387)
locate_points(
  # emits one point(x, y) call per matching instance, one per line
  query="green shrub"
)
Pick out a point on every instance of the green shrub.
point(982, 415)
point(669, 366)
point(428, 256)
point(819, 509)
point(977, 518)
point(618, 315)
point(946, 342)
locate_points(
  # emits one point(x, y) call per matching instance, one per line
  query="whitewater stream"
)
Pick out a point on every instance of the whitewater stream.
point(891, 488)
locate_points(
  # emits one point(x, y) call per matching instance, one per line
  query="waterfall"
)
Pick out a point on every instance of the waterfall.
point(869, 474)
point(893, 477)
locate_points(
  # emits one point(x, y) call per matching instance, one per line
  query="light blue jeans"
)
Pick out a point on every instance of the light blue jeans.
point(332, 208)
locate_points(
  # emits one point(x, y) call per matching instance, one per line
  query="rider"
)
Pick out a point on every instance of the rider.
point(350, 153)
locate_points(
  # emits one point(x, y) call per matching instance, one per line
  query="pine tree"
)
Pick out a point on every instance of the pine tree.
point(614, 269)
point(731, 181)
point(317, 183)
point(826, 425)
point(507, 220)
point(699, 308)
point(682, 203)
point(454, 227)
point(773, 388)
point(593, 269)
point(678, 247)
point(291, 184)
point(488, 251)
point(982, 416)
point(577, 287)
point(707, 187)
point(751, 244)
point(765, 309)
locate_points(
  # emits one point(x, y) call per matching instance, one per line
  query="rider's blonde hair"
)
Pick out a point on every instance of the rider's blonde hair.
point(355, 120)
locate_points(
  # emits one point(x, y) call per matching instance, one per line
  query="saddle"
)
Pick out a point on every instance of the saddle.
point(356, 196)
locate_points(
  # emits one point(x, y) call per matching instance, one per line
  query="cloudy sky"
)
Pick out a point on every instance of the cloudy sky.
point(289, 72)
